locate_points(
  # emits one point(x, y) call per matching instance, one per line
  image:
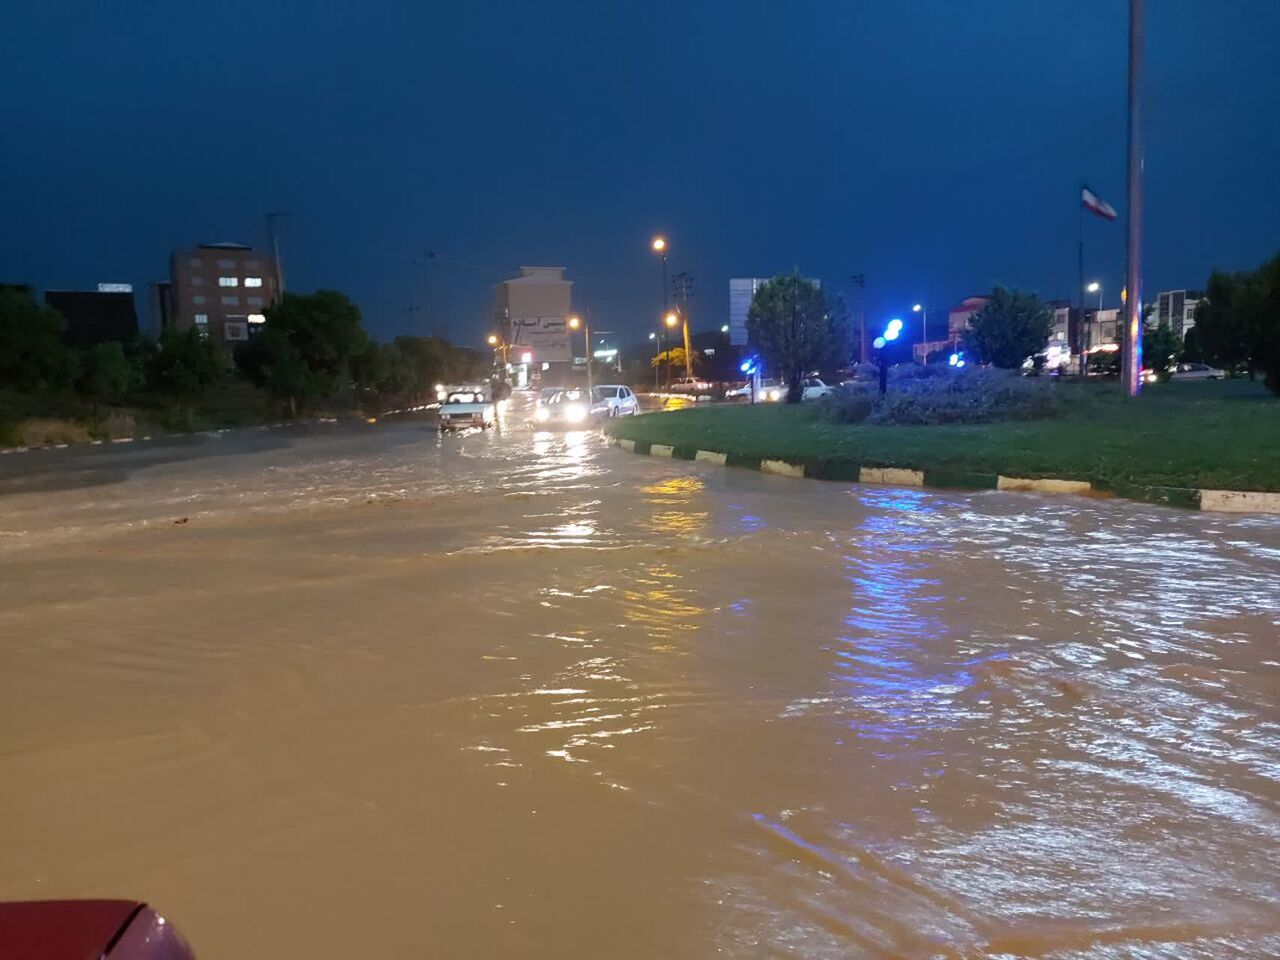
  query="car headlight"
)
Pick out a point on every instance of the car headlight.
point(772, 395)
point(575, 413)
point(542, 414)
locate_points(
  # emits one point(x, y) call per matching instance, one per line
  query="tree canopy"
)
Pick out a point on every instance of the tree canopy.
point(1010, 327)
point(307, 348)
point(33, 355)
point(1238, 322)
point(797, 329)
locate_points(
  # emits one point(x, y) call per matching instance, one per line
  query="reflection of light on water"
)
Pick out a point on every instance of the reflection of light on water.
point(661, 607)
point(885, 664)
point(680, 487)
point(675, 492)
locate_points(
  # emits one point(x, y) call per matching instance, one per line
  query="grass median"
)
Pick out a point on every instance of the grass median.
point(1214, 435)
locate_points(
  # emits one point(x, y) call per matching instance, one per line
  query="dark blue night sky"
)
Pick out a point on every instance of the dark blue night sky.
point(936, 147)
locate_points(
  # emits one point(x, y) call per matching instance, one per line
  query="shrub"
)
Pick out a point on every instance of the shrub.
point(935, 396)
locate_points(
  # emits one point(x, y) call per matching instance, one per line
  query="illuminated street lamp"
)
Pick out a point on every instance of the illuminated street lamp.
point(725, 328)
point(499, 346)
point(1096, 287)
point(575, 322)
point(891, 332)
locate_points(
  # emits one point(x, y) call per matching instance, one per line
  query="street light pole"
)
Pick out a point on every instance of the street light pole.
point(1131, 345)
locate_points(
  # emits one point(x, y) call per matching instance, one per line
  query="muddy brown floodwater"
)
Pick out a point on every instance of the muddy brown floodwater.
point(523, 695)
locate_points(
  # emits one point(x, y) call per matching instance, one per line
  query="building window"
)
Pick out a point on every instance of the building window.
point(257, 318)
point(202, 319)
point(197, 281)
point(194, 262)
point(228, 281)
point(253, 281)
point(226, 264)
point(253, 301)
point(252, 264)
point(231, 301)
point(198, 300)
point(235, 330)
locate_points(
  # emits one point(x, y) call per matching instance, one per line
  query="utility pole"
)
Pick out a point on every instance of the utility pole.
point(859, 280)
point(1131, 344)
point(682, 285)
point(275, 249)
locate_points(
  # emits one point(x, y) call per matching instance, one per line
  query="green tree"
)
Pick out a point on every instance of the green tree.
point(1260, 309)
point(1160, 348)
point(797, 328)
point(32, 354)
point(673, 358)
point(183, 366)
point(307, 348)
point(429, 359)
point(1222, 334)
point(106, 374)
point(383, 370)
point(1009, 328)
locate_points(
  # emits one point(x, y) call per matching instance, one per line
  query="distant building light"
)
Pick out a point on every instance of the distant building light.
point(605, 354)
point(202, 318)
point(253, 281)
point(526, 358)
point(228, 281)
point(256, 318)
point(115, 288)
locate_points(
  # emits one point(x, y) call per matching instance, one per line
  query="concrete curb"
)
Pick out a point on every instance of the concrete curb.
point(1219, 501)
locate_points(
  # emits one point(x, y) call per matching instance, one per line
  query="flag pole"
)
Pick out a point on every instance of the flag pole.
point(1082, 328)
point(1131, 345)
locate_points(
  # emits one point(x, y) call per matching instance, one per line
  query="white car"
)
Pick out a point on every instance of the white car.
point(1197, 371)
point(467, 409)
point(690, 385)
point(573, 407)
point(614, 400)
point(812, 388)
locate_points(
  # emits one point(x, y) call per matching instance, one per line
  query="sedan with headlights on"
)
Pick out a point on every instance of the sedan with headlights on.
point(576, 408)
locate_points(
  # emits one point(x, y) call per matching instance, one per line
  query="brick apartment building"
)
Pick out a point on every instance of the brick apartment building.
point(222, 289)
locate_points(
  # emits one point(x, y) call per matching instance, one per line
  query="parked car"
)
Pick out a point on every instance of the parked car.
point(1197, 371)
point(546, 394)
point(690, 385)
point(812, 388)
point(76, 929)
point(739, 391)
point(465, 409)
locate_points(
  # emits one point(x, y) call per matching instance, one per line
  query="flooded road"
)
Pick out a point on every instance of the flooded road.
point(368, 693)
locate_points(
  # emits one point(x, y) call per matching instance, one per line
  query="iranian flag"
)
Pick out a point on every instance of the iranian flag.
point(1097, 205)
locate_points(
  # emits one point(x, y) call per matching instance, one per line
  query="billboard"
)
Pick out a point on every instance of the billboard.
point(547, 338)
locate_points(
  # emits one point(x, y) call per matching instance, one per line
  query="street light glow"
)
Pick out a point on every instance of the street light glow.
point(878, 343)
point(725, 328)
point(493, 339)
point(659, 244)
point(1094, 287)
point(917, 308)
point(671, 320)
point(575, 322)
point(652, 335)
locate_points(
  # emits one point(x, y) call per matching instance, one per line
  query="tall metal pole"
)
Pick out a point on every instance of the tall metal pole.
point(275, 251)
point(586, 329)
point(1131, 344)
point(1082, 331)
